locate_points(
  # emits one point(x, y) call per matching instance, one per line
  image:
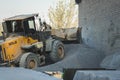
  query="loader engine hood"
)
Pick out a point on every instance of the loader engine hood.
point(10, 48)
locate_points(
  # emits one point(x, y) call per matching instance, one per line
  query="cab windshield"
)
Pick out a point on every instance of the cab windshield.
point(14, 26)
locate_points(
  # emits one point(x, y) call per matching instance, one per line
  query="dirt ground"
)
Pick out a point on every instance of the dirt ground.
point(77, 56)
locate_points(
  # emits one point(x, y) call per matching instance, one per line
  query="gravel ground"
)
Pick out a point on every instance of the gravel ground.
point(77, 56)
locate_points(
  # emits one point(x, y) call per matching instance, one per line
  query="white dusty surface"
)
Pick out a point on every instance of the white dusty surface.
point(97, 75)
point(77, 56)
point(22, 74)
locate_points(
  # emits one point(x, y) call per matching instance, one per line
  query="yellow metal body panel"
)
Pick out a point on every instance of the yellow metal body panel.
point(11, 47)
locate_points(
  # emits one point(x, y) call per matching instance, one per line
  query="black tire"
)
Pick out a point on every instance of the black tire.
point(57, 52)
point(29, 60)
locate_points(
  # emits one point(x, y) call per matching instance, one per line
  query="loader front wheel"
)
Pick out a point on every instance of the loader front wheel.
point(29, 60)
point(57, 52)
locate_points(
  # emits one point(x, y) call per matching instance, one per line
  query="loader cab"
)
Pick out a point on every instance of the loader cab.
point(29, 26)
point(13, 26)
point(21, 25)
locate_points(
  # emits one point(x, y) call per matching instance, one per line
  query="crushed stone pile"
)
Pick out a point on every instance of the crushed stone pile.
point(77, 56)
point(97, 75)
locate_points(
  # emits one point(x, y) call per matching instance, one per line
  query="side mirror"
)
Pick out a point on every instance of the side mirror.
point(2, 32)
point(4, 35)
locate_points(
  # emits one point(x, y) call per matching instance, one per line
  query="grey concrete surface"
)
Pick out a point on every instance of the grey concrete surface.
point(97, 75)
point(77, 56)
point(23, 74)
point(111, 61)
point(100, 22)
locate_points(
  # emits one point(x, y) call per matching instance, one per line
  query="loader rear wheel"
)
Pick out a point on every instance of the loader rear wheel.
point(57, 52)
point(29, 60)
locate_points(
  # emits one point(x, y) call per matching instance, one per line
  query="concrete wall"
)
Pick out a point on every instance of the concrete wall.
point(100, 22)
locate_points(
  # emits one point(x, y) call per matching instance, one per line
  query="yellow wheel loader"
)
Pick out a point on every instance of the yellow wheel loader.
point(26, 43)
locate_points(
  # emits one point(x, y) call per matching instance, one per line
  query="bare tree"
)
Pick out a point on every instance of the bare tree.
point(64, 14)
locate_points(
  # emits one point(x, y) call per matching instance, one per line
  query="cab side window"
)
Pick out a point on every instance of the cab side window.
point(29, 26)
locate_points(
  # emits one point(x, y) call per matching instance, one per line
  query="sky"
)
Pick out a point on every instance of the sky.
point(10, 8)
